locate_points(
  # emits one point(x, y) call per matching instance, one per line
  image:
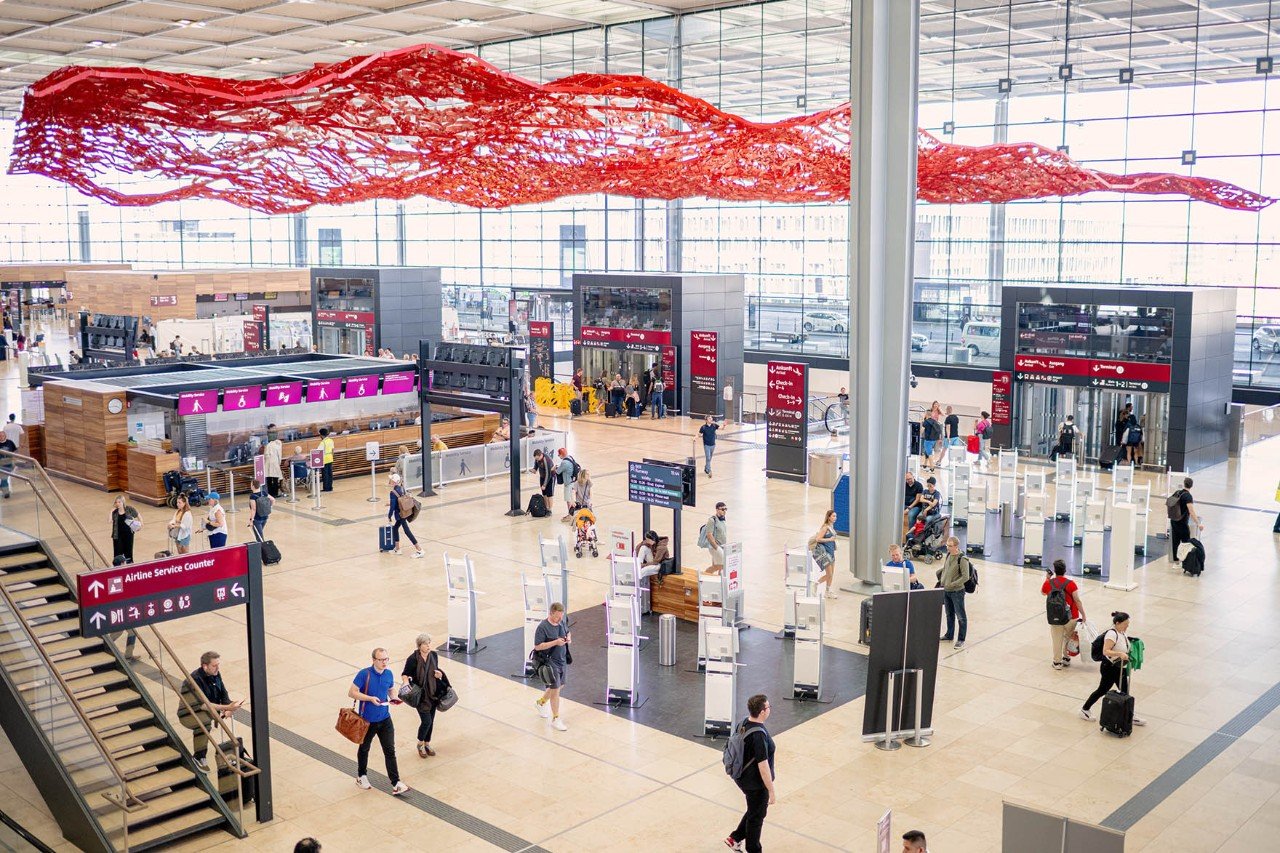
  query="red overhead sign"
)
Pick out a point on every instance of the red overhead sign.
point(1001, 397)
point(625, 336)
point(1094, 372)
point(785, 403)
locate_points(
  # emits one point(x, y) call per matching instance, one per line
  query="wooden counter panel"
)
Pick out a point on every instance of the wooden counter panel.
point(677, 594)
point(81, 432)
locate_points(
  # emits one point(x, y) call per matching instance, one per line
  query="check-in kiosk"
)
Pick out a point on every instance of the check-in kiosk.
point(1079, 502)
point(1064, 482)
point(1120, 568)
point(554, 554)
point(1033, 538)
point(624, 577)
point(944, 478)
point(732, 592)
point(461, 578)
point(1033, 481)
point(893, 578)
point(913, 465)
point(806, 679)
point(624, 639)
point(1121, 480)
point(1094, 531)
point(721, 681)
point(960, 494)
point(1140, 497)
point(1008, 478)
point(710, 611)
point(537, 603)
point(976, 541)
point(798, 580)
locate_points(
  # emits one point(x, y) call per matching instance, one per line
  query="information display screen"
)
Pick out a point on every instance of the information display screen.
point(654, 484)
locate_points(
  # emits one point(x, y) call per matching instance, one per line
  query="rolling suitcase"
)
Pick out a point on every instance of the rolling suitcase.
point(1107, 458)
point(864, 622)
point(227, 780)
point(1193, 558)
point(270, 553)
point(1117, 714)
point(575, 407)
point(974, 444)
point(386, 542)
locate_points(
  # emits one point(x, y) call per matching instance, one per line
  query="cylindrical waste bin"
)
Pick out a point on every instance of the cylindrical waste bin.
point(667, 639)
point(1006, 518)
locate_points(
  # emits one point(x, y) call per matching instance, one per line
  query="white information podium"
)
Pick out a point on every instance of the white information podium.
point(1120, 567)
point(732, 592)
point(1140, 497)
point(720, 683)
point(798, 579)
point(710, 610)
point(537, 603)
point(1079, 501)
point(554, 554)
point(976, 540)
point(623, 626)
point(806, 676)
point(1094, 532)
point(1034, 519)
point(461, 579)
point(1064, 479)
point(960, 498)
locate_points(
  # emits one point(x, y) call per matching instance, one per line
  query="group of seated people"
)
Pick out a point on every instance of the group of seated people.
point(921, 500)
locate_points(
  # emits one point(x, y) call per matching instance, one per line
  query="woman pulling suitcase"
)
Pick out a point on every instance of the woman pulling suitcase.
point(1117, 714)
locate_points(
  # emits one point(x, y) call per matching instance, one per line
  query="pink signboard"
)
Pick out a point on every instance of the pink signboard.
point(361, 386)
point(398, 383)
point(323, 390)
point(284, 393)
point(197, 402)
point(237, 399)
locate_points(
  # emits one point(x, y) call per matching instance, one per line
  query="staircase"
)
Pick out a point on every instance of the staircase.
point(104, 738)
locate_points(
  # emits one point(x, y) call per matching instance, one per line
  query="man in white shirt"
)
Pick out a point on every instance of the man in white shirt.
point(14, 431)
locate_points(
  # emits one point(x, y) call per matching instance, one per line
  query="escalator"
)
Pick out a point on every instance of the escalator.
point(109, 764)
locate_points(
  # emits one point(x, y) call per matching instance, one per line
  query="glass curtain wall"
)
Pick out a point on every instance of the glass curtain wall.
point(1123, 85)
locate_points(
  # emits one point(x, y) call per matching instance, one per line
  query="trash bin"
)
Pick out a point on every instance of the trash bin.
point(1006, 519)
point(824, 470)
point(667, 639)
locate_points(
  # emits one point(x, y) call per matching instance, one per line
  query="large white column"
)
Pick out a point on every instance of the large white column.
point(884, 56)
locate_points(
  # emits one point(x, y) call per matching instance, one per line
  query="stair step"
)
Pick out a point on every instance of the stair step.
point(69, 666)
point(32, 593)
point(71, 644)
point(104, 723)
point(24, 558)
point(167, 830)
point(136, 737)
point(88, 682)
point(27, 576)
point(172, 777)
point(168, 803)
point(56, 608)
point(110, 698)
point(131, 765)
point(56, 626)
point(66, 729)
point(24, 656)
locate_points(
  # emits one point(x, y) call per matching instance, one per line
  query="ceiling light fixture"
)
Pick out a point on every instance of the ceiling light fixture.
point(183, 22)
point(255, 59)
point(350, 42)
point(96, 43)
point(464, 22)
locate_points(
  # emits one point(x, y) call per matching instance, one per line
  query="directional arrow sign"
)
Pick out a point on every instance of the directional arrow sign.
point(96, 587)
point(97, 619)
point(237, 591)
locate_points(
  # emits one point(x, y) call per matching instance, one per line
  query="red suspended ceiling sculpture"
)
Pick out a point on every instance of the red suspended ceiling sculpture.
point(427, 121)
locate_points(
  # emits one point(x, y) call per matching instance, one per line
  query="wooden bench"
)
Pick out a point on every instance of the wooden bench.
point(677, 594)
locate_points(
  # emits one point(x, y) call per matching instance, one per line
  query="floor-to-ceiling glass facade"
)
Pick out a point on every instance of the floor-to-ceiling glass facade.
point(1123, 85)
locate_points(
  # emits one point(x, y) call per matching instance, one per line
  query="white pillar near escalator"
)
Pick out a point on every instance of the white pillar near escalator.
point(883, 64)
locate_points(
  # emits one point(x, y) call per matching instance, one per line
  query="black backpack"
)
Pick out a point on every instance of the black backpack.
point(1134, 438)
point(1067, 434)
point(538, 506)
point(1095, 650)
point(574, 467)
point(1173, 505)
point(1055, 606)
point(971, 585)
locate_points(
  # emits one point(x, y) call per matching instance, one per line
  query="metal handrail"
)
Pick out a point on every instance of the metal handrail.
point(38, 647)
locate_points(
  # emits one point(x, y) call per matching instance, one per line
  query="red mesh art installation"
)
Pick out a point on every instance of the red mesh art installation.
point(427, 121)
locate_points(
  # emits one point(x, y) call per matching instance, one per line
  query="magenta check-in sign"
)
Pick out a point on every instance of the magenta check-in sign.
point(323, 390)
point(237, 399)
point(197, 402)
point(398, 383)
point(361, 386)
point(284, 394)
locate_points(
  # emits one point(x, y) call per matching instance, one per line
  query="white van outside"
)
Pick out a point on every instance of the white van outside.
point(981, 338)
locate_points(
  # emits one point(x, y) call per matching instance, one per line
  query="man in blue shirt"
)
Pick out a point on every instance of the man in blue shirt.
point(708, 431)
point(371, 688)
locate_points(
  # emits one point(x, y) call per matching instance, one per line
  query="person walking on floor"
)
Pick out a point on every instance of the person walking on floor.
point(398, 520)
point(546, 476)
point(180, 526)
point(1114, 669)
point(953, 575)
point(208, 679)
point(272, 455)
point(552, 639)
point(262, 506)
point(326, 448)
point(567, 469)
point(423, 669)
point(708, 432)
point(757, 778)
point(982, 429)
point(823, 548)
point(14, 431)
point(124, 523)
point(713, 536)
point(216, 522)
point(372, 688)
point(1181, 513)
point(1063, 609)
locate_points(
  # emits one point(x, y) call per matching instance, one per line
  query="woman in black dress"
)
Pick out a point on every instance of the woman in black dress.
point(124, 523)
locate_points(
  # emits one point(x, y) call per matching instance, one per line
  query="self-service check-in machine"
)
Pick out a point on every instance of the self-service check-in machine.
point(1064, 486)
point(1094, 531)
point(623, 640)
point(1079, 502)
point(1034, 512)
point(537, 603)
point(960, 497)
point(806, 679)
point(720, 683)
point(624, 576)
point(976, 539)
point(554, 554)
point(1140, 497)
point(1008, 478)
point(461, 578)
point(1120, 570)
point(798, 580)
point(710, 610)
point(944, 478)
point(893, 578)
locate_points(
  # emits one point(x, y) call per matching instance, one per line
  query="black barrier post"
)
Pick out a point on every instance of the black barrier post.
point(259, 716)
point(424, 435)
point(516, 424)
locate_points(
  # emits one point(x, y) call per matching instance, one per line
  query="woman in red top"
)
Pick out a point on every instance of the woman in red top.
point(1060, 634)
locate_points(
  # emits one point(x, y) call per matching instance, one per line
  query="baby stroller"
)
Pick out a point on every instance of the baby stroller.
point(584, 521)
point(176, 484)
point(928, 539)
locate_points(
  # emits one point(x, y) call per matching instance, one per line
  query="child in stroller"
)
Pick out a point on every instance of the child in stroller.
point(176, 484)
point(927, 539)
point(584, 522)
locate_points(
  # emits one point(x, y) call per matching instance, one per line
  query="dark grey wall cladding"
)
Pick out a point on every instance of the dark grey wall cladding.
point(408, 303)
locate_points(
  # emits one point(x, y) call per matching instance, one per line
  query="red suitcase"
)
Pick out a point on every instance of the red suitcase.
point(975, 444)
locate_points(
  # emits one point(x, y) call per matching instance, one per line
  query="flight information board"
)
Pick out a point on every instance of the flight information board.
point(655, 484)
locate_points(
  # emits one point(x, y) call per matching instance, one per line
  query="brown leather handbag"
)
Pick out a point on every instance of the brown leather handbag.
point(351, 725)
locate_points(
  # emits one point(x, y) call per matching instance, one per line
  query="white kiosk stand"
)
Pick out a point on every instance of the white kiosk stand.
point(806, 676)
point(461, 578)
point(537, 603)
point(1064, 479)
point(1121, 488)
point(732, 592)
point(1033, 537)
point(1008, 479)
point(1094, 531)
point(1121, 566)
point(976, 541)
point(960, 498)
point(721, 682)
point(797, 580)
point(913, 464)
point(710, 611)
point(623, 688)
point(1140, 497)
point(893, 578)
point(555, 565)
point(1079, 501)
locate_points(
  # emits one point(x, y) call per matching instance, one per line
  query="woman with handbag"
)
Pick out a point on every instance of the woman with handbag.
point(823, 548)
point(400, 512)
point(216, 524)
point(419, 682)
point(124, 523)
point(180, 525)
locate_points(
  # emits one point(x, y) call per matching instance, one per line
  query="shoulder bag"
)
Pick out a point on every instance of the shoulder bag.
point(351, 725)
point(446, 696)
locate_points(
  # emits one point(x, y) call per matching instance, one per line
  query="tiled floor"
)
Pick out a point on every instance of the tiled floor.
point(1005, 721)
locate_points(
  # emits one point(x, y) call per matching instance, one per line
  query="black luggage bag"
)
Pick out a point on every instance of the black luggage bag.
point(864, 622)
point(270, 553)
point(575, 407)
point(1117, 714)
point(1193, 559)
point(538, 506)
point(227, 779)
point(1107, 458)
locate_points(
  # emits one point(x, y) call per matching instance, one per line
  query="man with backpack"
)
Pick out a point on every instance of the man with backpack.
point(748, 759)
point(956, 577)
point(1181, 509)
point(567, 473)
point(1066, 444)
point(1064, 610)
